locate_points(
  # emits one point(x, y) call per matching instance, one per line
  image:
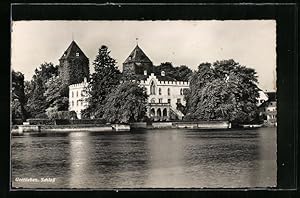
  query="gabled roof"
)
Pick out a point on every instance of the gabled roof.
point(271, 96)
point(137, 55)
point(72, 50)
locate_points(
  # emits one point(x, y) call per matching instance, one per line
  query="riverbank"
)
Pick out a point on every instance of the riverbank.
point(208, 125)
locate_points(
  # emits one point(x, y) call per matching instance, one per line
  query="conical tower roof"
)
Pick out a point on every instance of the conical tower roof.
point(72, 50)
point(137, 55)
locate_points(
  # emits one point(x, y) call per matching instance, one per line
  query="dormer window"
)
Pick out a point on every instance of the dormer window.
point(77, 53)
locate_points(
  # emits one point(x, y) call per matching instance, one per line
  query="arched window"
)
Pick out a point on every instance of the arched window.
point(152, 100)
point(181, 92)
point(72, 94)
point(159, 91)
point(76, 93)
point(168, 91)
point(158, 112)
point(152, 88)
point(72, 103)
point(165, 112)
point(152, 112)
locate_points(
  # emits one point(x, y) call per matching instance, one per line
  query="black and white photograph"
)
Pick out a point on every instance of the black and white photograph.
point(143, 104)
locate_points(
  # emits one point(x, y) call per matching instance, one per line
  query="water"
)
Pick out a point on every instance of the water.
point(146, 159)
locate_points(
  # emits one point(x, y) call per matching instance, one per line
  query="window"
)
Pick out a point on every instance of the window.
point(168, 91)
point(169, 101)
point(152, 88)
point(160, 100)
point(181, 92)
point(178, 100)
point(159, 91)
point(72, 103)
point(152, 100)
point(72, 94)
point(77, 93)
point(77, 53)
point(77, 103)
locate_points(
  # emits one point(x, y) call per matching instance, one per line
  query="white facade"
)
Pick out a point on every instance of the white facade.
point(77, 97)
point(165, 91)
point(163, 96)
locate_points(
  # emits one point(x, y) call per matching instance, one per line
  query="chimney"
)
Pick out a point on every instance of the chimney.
point(145, 72)
point(163, 73)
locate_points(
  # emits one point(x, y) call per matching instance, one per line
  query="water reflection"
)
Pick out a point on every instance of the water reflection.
point(147, 159)
point(166, 158)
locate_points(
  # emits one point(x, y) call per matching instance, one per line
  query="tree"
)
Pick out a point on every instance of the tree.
point(104, 79)
point(205, 74)
point(36, 101)
point(57, 93)
point(126, 103)
point(181, 73)
point(18, 96)
point(225, 90)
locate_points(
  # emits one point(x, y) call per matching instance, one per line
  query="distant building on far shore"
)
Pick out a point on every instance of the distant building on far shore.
point(268, 109)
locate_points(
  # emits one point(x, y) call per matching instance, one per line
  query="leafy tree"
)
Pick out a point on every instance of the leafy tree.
point(181, 73)
point(126, 103)
point(56, 93)
point(18, 96)
point(224, 90)
point(104, 79)
point(36, 102)
point(205, 74)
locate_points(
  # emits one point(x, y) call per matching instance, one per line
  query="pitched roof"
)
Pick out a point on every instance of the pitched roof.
point(137, 55)
point(72, 50)
point(271, 96)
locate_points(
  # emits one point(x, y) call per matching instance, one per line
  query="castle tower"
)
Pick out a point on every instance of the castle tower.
point(137, 62)
point(73, 65)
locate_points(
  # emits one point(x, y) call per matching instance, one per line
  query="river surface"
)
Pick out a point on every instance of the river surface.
point(169, 158)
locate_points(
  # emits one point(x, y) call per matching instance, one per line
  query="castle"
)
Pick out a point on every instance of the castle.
point(164, 92)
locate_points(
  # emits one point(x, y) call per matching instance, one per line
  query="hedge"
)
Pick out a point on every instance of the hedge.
point(37, 121)
point(64, 121)
point(17, 121)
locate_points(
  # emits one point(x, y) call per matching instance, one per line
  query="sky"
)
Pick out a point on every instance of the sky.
point(250, 42)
